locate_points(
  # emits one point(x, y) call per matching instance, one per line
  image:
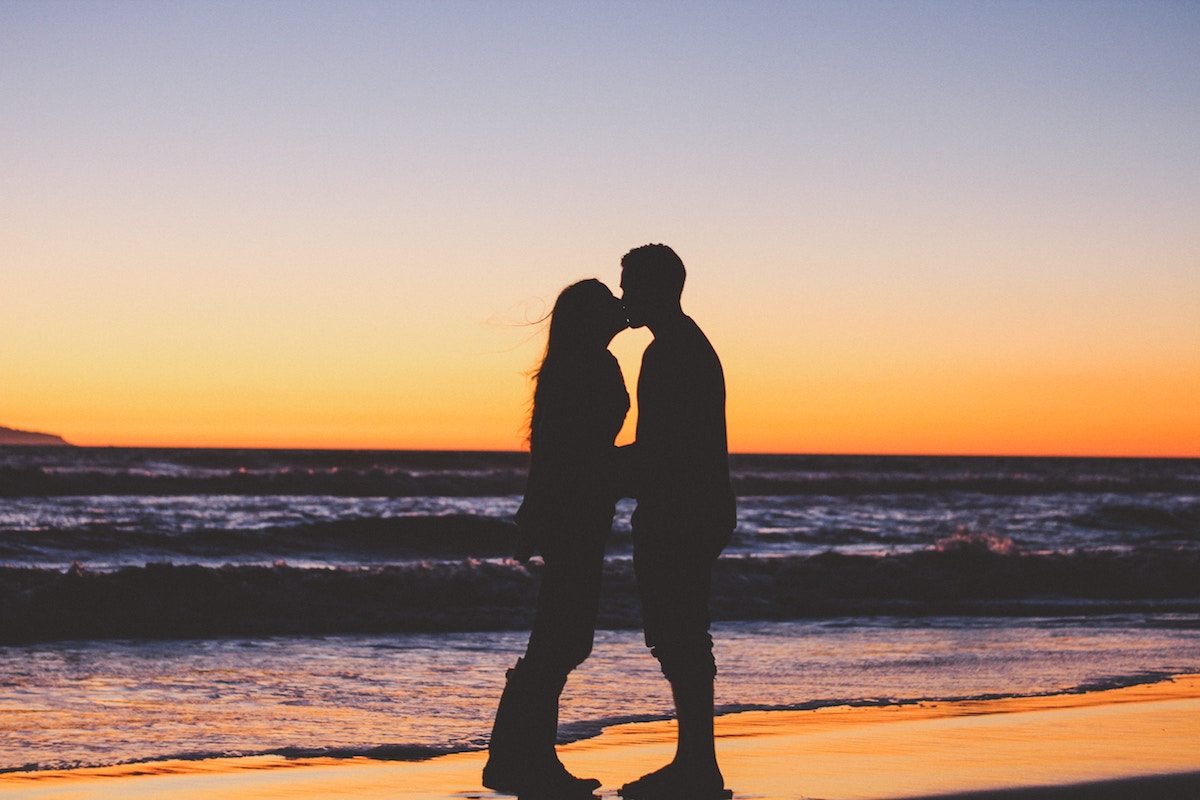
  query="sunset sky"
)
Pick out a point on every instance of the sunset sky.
point(909, 227)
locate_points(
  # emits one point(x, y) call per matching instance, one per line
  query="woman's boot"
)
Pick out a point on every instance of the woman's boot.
point(521, 756)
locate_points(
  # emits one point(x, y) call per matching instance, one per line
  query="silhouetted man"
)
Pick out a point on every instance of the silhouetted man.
point(679, 472)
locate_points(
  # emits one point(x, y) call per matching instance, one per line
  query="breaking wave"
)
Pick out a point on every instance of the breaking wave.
point(166, 600)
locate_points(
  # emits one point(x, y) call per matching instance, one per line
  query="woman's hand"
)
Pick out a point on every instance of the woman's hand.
point(624, 471)
point(527, 545)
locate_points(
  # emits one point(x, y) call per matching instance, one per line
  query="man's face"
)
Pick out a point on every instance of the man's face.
point(634, 298)
point(613, 316)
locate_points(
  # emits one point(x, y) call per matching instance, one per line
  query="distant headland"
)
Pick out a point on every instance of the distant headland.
point(14, 436)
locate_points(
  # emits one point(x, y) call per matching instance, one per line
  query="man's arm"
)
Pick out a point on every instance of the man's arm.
point(626, 470)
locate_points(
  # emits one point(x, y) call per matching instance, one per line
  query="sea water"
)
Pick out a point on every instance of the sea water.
point(271, 520)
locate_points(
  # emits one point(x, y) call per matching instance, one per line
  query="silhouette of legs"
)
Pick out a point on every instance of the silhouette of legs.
point(521, 756)
point(693, 773)
point(674, 576)
point(694, 712)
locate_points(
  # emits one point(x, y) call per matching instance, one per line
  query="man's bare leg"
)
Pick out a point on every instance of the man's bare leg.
point(694, 769)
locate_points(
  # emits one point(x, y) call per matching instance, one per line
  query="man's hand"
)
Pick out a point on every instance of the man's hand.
point(625, 471)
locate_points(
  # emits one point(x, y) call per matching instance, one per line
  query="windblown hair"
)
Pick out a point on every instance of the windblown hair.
point(573, 321)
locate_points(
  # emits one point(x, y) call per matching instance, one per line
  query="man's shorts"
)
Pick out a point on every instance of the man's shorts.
point(674, 579)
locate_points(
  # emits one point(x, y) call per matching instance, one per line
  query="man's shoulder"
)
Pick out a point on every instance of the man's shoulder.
point(696, 343)
point(684, 343)
point(652, 350)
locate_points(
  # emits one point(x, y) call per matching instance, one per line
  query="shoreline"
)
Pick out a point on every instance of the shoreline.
point(1082, 744)
point(568, 734)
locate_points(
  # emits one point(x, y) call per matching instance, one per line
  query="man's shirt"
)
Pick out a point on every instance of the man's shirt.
point(681, 457)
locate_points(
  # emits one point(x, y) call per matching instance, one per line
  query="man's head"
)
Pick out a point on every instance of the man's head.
point(651, 283)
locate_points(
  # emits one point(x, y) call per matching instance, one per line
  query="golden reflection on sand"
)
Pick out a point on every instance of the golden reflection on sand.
point(834, 753)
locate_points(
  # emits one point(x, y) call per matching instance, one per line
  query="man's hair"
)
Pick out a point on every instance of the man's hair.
point(658, 266)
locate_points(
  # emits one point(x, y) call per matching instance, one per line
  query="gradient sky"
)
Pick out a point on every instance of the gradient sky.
point(909, 227)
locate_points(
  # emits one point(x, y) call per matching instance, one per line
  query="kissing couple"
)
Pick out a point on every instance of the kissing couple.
point(677, 470)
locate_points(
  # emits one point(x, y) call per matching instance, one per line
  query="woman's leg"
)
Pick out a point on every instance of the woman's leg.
point(568, 601)
point(521, 751)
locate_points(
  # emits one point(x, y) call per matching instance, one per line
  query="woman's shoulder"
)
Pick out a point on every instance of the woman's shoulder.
point(603, 367)
point(611, 376)
point(575, 380)
point(597, 383)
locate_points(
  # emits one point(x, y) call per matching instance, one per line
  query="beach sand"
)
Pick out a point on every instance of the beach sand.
point(1135, 742)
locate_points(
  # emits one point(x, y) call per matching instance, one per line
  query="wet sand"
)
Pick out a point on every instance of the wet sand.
point(1132, 742)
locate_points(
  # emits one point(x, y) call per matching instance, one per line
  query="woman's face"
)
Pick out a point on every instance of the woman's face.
point(588, 315)
point(612, 315)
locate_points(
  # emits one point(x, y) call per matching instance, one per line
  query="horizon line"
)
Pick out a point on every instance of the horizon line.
point(831, 454)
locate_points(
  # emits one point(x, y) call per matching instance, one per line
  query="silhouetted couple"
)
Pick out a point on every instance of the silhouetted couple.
point(677, 469)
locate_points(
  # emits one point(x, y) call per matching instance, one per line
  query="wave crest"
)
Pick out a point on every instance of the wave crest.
point(167, 600)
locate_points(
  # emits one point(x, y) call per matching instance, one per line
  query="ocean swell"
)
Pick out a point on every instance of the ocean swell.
point(150, 472)
point(408, 537)
point(1177, 520)
point(165, 600)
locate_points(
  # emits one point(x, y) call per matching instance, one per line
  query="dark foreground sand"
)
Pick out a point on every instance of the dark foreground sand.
point(1137, 742)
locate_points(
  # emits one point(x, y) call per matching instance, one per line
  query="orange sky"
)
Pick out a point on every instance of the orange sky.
point(869, 392)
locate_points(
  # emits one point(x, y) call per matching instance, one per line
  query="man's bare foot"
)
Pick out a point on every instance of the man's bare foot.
point(648, 782)
point(676, 781)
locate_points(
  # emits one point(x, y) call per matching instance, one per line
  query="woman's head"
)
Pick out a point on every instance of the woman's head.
point(585, 316)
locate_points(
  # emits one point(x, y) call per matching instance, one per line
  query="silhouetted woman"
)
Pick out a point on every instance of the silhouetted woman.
point(579, 405)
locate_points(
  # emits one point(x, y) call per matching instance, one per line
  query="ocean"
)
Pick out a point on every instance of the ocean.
point(195, 603)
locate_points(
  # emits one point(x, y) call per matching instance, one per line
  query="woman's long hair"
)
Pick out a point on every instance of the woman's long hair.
point(573, 321)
